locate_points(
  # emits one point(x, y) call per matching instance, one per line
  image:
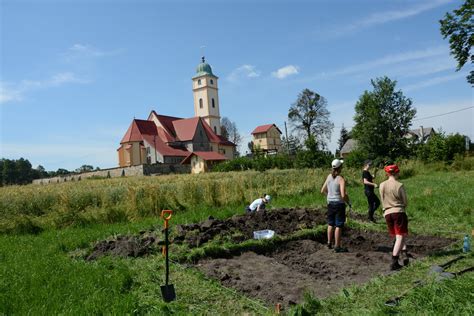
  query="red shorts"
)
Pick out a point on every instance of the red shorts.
point(397, 223)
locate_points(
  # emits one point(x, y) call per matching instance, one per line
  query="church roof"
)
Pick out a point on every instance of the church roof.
point(137, 129)
point(264, 128)
point(203, 69)
point(163, 148)
point(185, 128)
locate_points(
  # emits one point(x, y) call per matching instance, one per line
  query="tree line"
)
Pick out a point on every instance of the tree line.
point(20, 171)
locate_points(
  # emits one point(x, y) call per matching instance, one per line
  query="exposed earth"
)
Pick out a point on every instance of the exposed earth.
point(284, 274)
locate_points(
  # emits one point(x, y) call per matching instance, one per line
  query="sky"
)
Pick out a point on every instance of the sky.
point(74, 74)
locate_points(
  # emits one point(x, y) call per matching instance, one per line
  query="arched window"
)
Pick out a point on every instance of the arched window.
point(200, 103)
point(213, 103)
point(199, 82)
point(212, 81)
point(215, 129)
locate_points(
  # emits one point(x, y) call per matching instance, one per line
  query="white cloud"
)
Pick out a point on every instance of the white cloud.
point(383, 17)
point(8, 94)
point(428, 61)
point(16, 92)
point(78, 51)
point(286, 71)
point(433, 81)
point(244, 71)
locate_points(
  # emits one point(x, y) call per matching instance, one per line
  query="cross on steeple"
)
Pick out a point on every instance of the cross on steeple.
point(203, 59)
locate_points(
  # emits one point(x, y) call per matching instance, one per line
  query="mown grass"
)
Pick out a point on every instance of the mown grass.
point(37, 275)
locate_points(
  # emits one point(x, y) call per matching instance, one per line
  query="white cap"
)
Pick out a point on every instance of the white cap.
point(268, 198)
point(336, 163)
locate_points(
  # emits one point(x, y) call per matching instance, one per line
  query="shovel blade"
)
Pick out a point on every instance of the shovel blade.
point(168, 293)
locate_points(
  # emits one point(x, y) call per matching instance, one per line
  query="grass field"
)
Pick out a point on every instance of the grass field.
point(42, 226)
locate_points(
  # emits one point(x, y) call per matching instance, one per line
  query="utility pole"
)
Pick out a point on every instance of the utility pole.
point(287, 141)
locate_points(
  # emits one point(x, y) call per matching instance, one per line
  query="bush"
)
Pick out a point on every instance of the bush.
point(355, 159)
point(441, 148)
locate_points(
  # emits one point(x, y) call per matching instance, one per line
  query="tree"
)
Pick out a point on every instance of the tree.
point(84, 168)
point(459, 27)
point(24, 171)
point(383, 118)
point(230, 132)
point(310, 116)
point(344, 136)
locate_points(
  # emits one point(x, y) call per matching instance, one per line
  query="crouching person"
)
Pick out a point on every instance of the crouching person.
point(258, 204)
point(394, 202)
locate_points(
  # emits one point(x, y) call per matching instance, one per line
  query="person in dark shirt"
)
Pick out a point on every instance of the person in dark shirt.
point(369, 186)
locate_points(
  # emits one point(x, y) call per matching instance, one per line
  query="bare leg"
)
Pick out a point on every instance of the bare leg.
point(330, 233)
point(399, 244)
point(338, 237)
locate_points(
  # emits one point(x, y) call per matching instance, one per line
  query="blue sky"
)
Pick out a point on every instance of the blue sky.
point(73, 74)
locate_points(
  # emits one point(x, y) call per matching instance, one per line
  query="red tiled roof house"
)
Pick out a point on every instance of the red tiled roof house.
point(267, 138)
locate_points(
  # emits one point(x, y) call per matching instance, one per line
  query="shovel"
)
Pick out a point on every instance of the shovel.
point(394, 301)
point(167, 290)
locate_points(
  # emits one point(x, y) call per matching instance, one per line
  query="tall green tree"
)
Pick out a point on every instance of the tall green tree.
point(383, 118)
point(309, 115)
point(459, 27)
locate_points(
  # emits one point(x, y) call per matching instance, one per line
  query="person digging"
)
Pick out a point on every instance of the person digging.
point(259, 204)
point(335, 189)
point(394, 202)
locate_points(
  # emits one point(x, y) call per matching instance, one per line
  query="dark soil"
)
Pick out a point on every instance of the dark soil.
point(241, 227)
point(125, 246)
point(283, 275)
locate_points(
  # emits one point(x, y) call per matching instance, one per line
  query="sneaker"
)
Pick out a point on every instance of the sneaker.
point(406, 262)
point(340, 249)
point(395, 266)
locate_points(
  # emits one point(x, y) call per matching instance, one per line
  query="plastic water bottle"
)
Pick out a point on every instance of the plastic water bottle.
point(466, 247)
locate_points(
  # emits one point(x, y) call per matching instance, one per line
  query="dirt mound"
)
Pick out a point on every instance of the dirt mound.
point(283, 275)
point(241, 227)
point(125, 246)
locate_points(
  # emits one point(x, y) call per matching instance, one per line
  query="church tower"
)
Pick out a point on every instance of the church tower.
point(206, 99)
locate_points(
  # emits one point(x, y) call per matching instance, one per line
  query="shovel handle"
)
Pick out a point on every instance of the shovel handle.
point(166, 218)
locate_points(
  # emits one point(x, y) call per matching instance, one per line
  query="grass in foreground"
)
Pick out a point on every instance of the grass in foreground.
point(38, 277)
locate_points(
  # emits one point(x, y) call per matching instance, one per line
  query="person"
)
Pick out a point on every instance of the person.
point(369, 186)
point(335, 189)
point(394, 202)
point(258, 204)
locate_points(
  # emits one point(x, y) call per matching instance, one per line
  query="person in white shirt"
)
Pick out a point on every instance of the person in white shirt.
point(258, 204)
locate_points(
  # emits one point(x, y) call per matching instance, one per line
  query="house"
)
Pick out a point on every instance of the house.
point(169, 139)
point(203, 161)
point(267, 138)
point(348, 147)
point(421, 134)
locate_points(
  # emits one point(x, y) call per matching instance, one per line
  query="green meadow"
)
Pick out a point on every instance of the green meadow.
point(44, 229)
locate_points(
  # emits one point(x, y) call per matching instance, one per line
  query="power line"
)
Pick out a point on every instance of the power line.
point(428, 117)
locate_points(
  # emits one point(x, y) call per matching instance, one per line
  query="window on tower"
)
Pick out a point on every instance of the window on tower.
point(212, 81)
point(199, 82)
point(200, 103)
point(215, 129)
point(213, 103)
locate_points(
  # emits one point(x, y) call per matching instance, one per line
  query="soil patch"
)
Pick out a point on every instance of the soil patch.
point(283, 275)
point(125, 246)
point(241, 227)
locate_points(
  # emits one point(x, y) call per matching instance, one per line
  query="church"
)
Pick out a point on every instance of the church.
point(170, 140)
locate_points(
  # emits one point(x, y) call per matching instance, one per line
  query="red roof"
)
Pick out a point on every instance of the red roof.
point(163, 148)
point(264, 128)
point(206, 155)
point(172, 129)
point(185, 128)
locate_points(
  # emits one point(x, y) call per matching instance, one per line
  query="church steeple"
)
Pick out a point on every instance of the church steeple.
point(206, 99)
